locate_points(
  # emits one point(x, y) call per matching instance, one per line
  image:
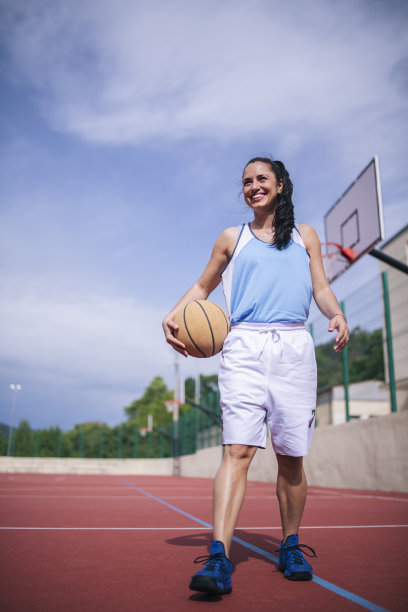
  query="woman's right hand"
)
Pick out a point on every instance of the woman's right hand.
point(208, 281)
point(169, 327)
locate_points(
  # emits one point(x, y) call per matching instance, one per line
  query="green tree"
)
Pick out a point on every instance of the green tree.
point(189, 388)
point(71, 442)
point(68, 449)
point(84, 440)
point(366, 356)
point(48, 442)
point(366, 359)
point(208, 384)
point(25, 440)
point(3, 443)
point(151, 402)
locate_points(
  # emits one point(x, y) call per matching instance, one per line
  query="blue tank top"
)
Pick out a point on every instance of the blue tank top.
point(263, 284)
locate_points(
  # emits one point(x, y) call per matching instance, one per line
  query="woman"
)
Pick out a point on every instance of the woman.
point(270, 269)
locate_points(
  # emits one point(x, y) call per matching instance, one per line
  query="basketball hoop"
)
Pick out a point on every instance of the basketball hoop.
point(172, 404)
point(336, 256)
point(335, 250)
point(145, 430)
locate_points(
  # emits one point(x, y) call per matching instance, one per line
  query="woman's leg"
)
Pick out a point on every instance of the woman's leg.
point(229, 490)
point(291, 489)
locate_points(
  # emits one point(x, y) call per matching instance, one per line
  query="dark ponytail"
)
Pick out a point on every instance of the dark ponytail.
point(284, 218)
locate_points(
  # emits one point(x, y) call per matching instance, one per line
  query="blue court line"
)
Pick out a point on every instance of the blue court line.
point(368, 605)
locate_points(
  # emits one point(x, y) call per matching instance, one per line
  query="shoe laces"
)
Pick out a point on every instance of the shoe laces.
point(214, 561)
point(296, 553)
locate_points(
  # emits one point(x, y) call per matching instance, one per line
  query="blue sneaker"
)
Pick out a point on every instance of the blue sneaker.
point(215, 577)
point(291, 560)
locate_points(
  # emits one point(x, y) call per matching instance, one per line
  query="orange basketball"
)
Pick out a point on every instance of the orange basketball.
point(203, 327)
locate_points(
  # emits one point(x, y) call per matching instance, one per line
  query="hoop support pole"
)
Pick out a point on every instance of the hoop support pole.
point(391, 261)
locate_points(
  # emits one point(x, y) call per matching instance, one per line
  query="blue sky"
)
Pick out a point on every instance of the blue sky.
point(124, 130)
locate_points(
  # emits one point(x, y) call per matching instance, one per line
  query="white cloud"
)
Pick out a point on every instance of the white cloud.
point(87, 337)
point(94, 353)
point(128, 72)
point(324, 80)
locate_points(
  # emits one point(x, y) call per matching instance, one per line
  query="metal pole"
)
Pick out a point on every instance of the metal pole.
point(13, 444)
point(210, 420)
point(197, 401)
point(176, 396)
point(191, 431)
point(37, 443)
point(162, 440)
point(101, 443)
point(149, 444)
point(59, 443)
point(81, 442)
point(135, 442)
point(390, 352)
point(181, 436)
point(120, 434)
point(391, 261)
point(345, 371)
point(197, 389)
point(15, 388)
point(197, 427)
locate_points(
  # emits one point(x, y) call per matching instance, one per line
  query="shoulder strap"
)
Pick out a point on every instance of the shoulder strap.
point(244, 236)
point(296, 237)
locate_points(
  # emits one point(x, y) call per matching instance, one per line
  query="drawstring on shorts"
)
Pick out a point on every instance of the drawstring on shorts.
point(275, 336)
point(272, 331)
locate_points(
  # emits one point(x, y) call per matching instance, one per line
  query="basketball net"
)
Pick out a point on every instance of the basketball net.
point(336, 253)
point(173, 406)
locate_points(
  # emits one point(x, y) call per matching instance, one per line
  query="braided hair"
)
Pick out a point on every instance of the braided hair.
point(284, 217)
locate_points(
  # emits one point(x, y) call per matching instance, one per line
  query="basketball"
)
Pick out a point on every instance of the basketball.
point(203, 327)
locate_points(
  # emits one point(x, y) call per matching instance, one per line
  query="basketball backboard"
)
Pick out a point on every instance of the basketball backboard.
point(354, 222)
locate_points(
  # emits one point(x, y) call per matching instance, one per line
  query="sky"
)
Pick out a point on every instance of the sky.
point(125, 127)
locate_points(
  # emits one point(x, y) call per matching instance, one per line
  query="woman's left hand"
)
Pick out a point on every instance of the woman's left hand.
point(338, 322)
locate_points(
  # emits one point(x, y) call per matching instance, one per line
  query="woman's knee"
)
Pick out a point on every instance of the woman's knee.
point(238, 452)
point(289, 462)
point(289, 465)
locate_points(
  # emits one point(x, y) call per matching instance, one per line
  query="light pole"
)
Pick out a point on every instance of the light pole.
point(15, 388)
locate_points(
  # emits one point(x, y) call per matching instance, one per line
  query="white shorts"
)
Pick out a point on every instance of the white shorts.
point(268, 377)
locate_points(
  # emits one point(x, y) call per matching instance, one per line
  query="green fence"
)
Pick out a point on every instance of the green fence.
point(197, 428)
point(369, 321)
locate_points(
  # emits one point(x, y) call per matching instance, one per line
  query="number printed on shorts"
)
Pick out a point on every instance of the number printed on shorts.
point(313, 418)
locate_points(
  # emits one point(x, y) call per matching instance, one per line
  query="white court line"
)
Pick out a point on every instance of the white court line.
point(310, 497)
point(382, 497)
point(135, 498)
point(193, 528)
point(57, 488)
point(129, 496)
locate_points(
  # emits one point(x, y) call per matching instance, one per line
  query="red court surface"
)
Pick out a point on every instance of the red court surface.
point(98, 543)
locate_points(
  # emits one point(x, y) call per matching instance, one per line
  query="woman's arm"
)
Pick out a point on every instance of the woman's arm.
point(323, 295)
point(208, 281)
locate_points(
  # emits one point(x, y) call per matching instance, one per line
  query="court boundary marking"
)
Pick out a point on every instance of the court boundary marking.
point(365, 603)
point(311, 497)
point(25, 528)
point(313, 494)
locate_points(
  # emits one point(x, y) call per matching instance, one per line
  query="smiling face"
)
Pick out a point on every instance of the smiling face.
point(260, 187)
